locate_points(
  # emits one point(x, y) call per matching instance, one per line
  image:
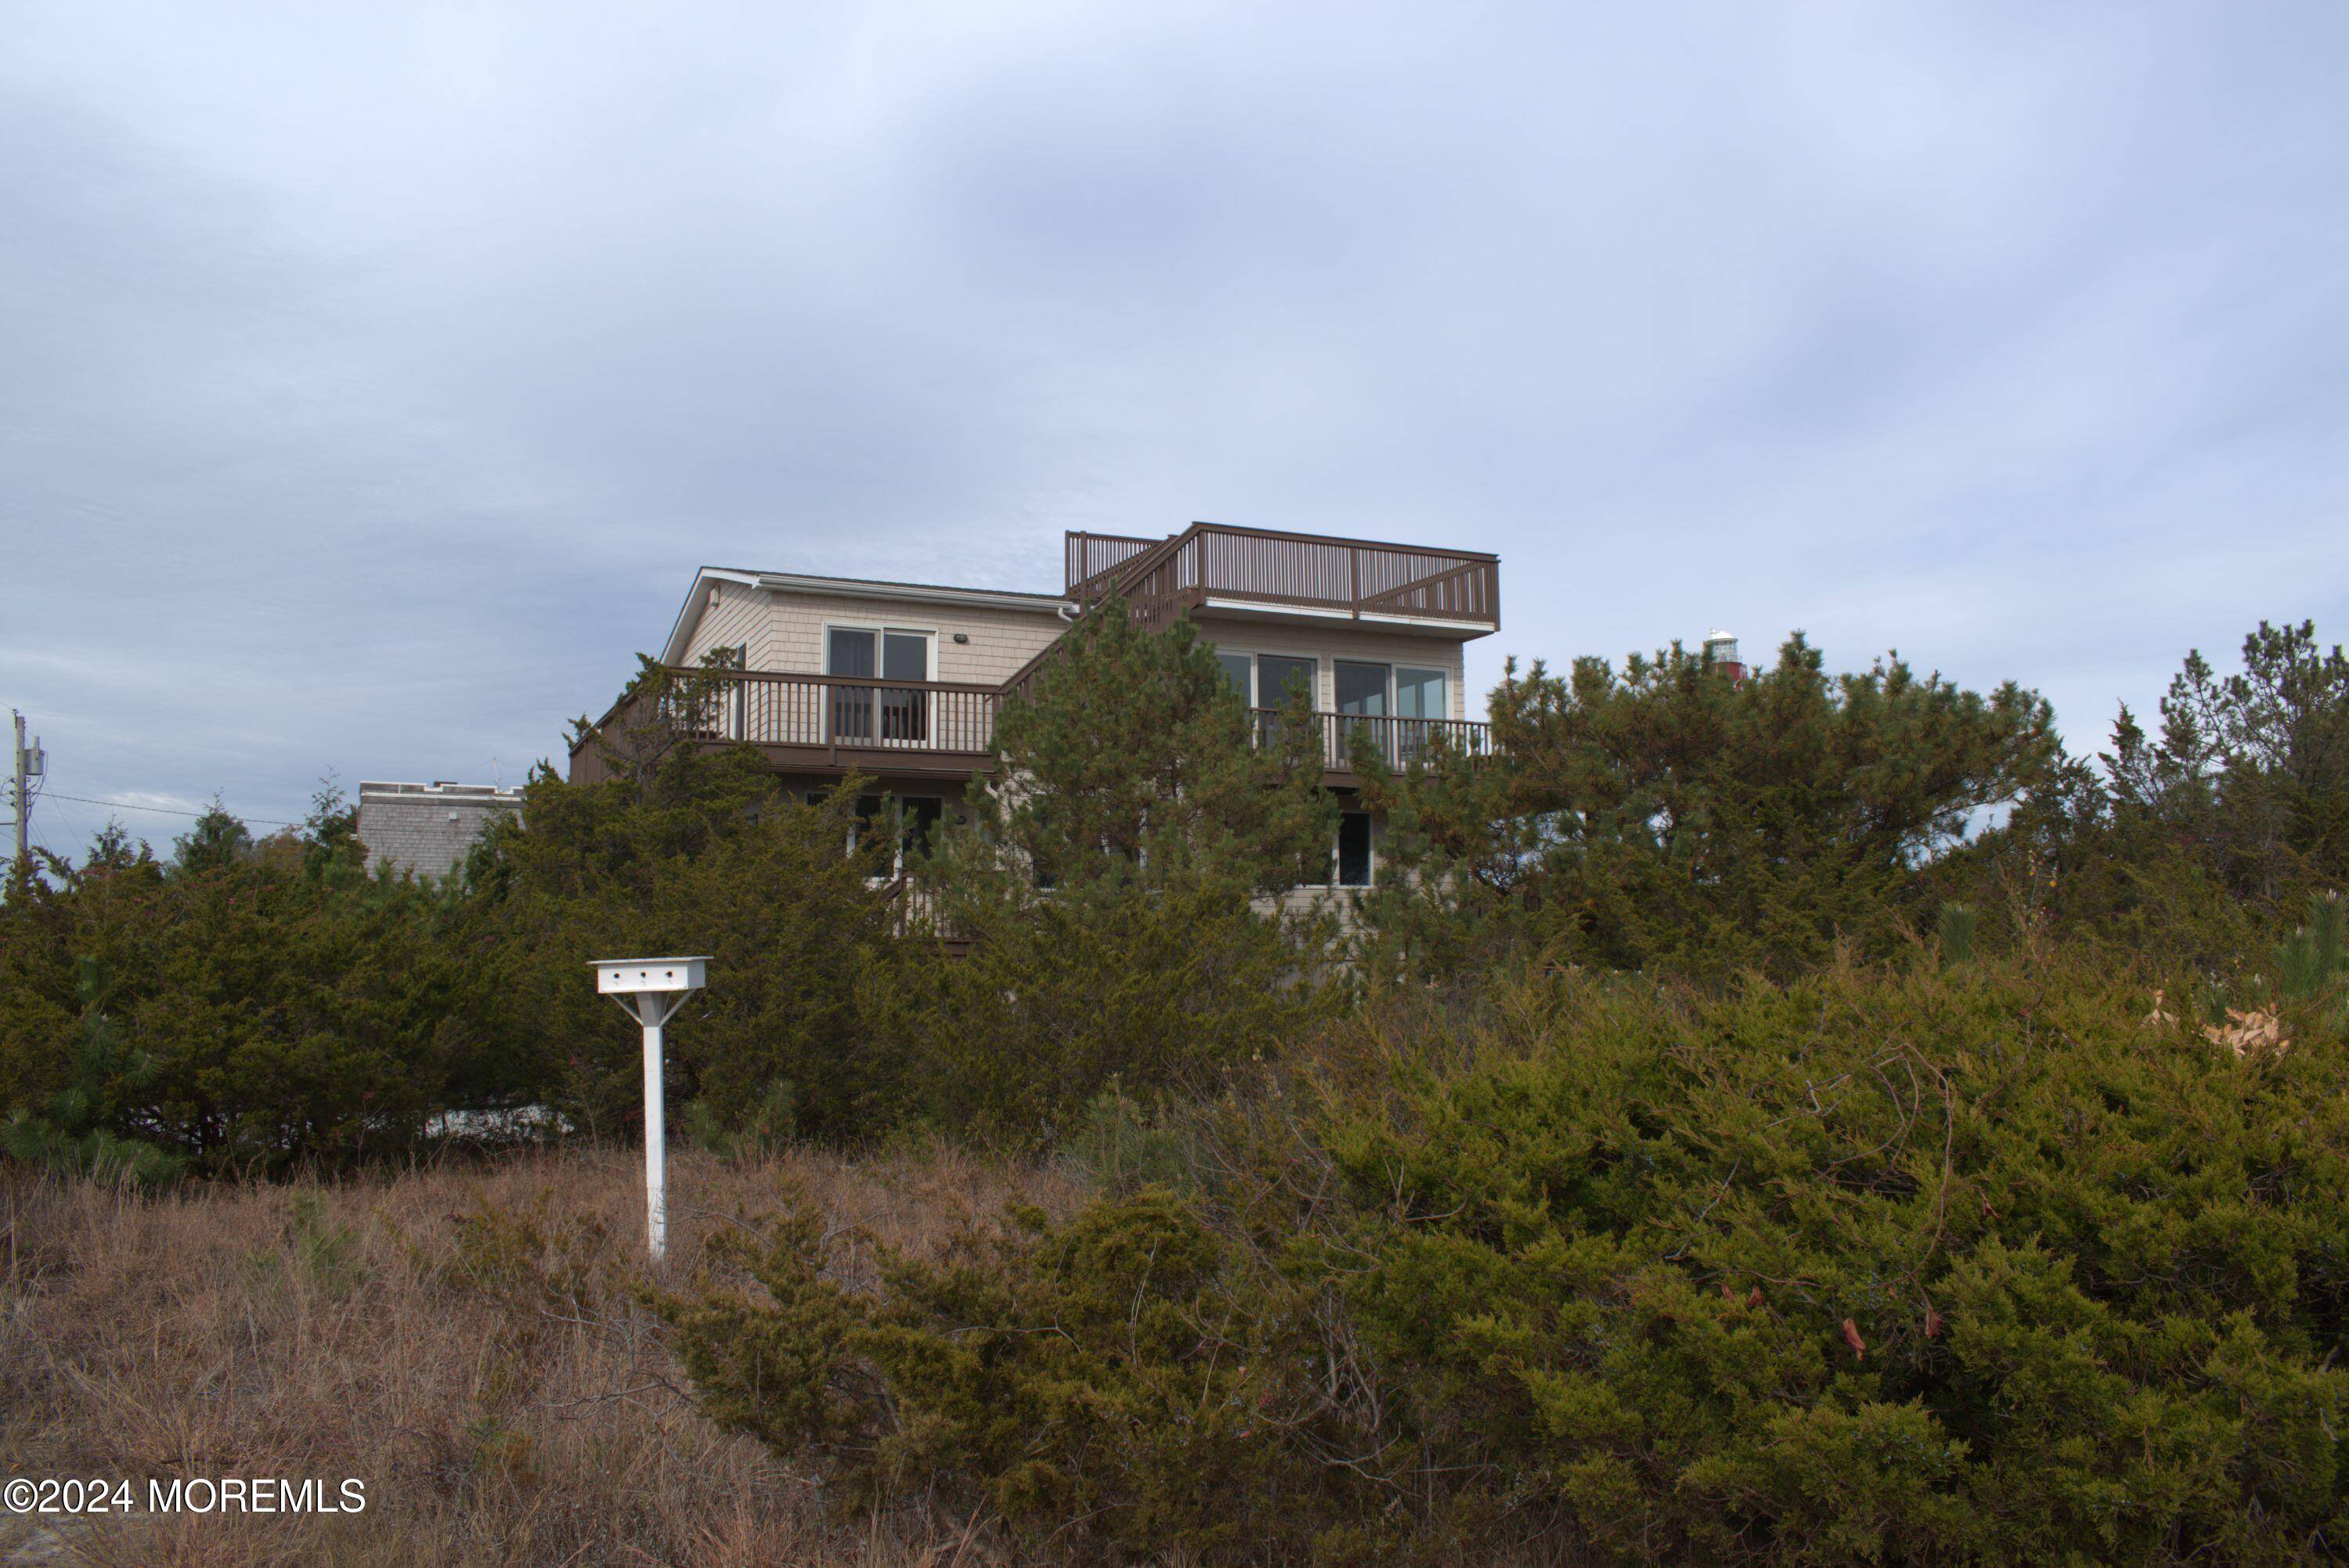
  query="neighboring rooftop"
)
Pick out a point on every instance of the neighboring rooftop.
point(428, 829)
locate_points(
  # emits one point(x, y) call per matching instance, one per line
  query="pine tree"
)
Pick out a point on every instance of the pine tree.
point(216, 840)
point(1130, 763)
point(1120, 886)
point(1667, 814)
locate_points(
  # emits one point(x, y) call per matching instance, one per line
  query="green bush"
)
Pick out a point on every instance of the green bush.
point(1897, 1267)
point(2312, 963)
point(2191, 843)
point(1102, 1381)
point(1979, 1264)
point(1665, 817)
point(1117, 893)
point(700, 852)
point(246, 1007)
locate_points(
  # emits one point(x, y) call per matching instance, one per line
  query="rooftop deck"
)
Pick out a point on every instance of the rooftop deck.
point(1210, 567)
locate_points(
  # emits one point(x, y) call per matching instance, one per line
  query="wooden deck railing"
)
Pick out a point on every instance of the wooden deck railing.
point(1399, 741)
point(772, 708)
point(1093, 556)
point(1357, 578)
point(837, 722)
point(914, 910)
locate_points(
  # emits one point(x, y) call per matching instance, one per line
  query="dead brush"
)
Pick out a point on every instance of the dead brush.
point(465, 1340)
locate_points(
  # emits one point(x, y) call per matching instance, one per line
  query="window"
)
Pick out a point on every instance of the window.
point(1354, 849)
point(1420, 703)
point(1240, 670)
point(1263, 680)
point(1419, 694)
point(876, 712)
point(1361, 689)
point(917, 822)
point(1275, 673)
point(1361, 697)
point(915, 817)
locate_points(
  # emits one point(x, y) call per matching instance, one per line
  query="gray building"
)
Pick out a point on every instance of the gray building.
point(427, 828)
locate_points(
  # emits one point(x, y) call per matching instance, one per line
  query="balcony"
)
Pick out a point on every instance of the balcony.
point(1298, 576)
point(808, 722)
point(924, 729)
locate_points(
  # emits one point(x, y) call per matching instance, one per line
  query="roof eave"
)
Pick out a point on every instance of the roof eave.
point(850, 588)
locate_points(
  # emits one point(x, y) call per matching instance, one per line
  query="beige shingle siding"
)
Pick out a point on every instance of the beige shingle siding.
point(784, 630)
point(1001, 640)
point(735, 616)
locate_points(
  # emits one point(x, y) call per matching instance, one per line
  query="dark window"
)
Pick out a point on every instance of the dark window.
point(885, 713)
point(916, 818)
point(1277, 675)
point(851, 653)
point(917, 822)
point(904, 715)
point(1362, 688)
point(1354, 850)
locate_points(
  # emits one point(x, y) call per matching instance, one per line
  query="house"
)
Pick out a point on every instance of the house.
point(900, 682)
point(428, 829)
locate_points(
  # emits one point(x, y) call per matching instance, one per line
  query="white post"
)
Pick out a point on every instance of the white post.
point(655, 1013)
point(652, 990)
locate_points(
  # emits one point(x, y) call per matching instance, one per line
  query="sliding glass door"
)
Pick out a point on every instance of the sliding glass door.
point(869, 713)
point(1361, 704)
point(1423, 704)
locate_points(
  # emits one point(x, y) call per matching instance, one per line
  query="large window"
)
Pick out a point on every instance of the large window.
point(1263, 680)
point(1421, 705)
point(1362, 700)
point(1419, 694)
point(1399, 706)
point(1277, 674)
point(1361, 689)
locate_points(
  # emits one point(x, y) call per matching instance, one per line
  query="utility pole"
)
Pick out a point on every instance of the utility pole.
point(24, 762)
point(22, 863)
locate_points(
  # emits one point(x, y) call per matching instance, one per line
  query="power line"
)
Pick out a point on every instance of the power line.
point(166, 810)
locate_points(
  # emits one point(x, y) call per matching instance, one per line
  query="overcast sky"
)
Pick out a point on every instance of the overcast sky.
point(372, 382)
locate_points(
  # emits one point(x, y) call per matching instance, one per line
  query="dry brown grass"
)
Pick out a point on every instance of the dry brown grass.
point(462, 1340)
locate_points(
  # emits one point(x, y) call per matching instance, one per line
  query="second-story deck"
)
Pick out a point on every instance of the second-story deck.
point(825, 724)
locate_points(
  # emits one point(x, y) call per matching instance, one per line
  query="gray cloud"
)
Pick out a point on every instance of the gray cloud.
point(375, 380)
